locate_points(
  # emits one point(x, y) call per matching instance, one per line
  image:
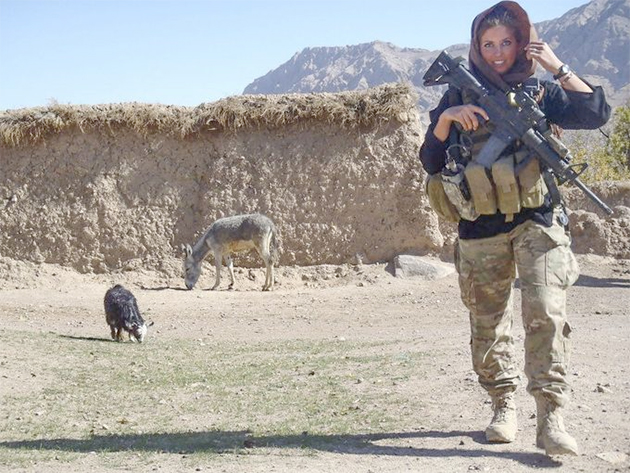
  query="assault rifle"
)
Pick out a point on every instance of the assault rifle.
point(515, 115)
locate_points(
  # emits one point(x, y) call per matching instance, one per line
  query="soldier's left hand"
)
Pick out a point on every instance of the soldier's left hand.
point(542, 53)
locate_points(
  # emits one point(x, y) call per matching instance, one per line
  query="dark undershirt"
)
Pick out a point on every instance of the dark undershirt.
point(491, 225)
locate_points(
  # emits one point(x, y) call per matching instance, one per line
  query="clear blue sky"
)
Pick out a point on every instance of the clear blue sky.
point(185, 52)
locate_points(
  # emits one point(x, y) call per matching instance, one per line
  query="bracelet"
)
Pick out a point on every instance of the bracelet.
point(565, 78)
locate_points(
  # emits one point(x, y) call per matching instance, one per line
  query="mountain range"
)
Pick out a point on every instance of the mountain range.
point(593, 39)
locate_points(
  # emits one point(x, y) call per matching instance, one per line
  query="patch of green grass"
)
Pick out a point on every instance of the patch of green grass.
point(174, 396)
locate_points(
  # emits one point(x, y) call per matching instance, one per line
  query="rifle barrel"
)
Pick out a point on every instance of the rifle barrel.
point(592, 196)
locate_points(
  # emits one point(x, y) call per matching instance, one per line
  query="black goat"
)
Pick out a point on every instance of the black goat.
point(122, 313)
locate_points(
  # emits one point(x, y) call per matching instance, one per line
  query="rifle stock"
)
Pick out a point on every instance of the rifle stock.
point(515, 115)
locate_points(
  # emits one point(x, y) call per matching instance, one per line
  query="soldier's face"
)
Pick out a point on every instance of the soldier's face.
point(499, 48)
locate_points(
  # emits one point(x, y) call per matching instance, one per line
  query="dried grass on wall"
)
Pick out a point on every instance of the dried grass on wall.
point(346, 109)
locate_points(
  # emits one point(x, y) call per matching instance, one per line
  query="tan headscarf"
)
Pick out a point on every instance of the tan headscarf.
point(523, 67)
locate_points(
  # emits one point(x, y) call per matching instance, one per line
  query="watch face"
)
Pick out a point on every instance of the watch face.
point(563, 71)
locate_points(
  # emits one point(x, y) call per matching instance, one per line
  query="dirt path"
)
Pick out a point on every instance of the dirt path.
point(344, 304)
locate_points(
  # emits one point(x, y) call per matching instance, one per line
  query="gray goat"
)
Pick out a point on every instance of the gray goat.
point(233, 235)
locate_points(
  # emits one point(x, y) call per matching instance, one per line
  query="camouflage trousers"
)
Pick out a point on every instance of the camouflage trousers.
point(546, 267)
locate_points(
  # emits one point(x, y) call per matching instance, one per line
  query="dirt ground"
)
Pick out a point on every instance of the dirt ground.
point(346, 303)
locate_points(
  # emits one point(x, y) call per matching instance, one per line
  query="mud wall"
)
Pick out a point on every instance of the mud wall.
point(123, 187)
point(99, 201)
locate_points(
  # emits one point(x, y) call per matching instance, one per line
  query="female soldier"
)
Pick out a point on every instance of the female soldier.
point(528, 235)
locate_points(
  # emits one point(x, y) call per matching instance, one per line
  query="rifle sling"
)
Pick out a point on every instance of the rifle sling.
point(454, 99)
point(552, 186)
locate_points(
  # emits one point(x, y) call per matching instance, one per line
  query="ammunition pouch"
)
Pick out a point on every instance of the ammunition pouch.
point(514, 182)
point(438, 200)
point(481, 189)
point(506, 186)
point(532, 185)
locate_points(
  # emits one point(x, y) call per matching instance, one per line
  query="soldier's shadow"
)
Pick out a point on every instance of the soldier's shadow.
point(217, 441)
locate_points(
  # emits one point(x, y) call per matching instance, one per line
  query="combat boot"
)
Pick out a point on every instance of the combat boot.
point(550, 432)
point(503, 426)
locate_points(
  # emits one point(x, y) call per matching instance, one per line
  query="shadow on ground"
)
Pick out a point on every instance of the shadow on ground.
point(86, 339)
point(590, 281)
point(233, 441)
point(163, 288)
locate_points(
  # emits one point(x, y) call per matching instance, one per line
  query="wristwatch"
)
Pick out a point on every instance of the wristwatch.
point(563, 71)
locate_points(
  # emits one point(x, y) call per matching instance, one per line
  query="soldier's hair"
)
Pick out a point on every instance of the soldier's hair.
point(500, 16)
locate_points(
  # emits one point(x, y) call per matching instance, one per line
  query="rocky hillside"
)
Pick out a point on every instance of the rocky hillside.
point(594, 39)
point(336, 69)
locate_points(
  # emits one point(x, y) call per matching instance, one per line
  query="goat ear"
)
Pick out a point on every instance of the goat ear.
point(188, 250)
point(150, 324)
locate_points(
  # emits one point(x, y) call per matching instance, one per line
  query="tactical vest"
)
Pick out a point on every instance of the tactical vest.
point(513, 182)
